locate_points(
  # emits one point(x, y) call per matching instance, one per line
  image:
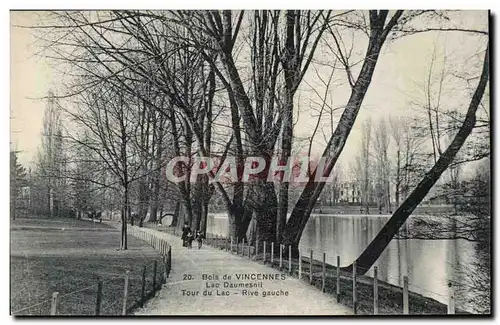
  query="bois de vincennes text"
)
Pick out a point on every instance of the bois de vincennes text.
point(263, 285)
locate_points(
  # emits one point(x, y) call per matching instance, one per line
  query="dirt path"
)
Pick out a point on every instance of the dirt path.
point(184, 296)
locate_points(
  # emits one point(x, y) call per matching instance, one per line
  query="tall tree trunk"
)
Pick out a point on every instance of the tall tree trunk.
point(204, 216)
point(197, 203)
point(267, 212)
point(366, 190)
point(155, 197)
point(235, 211)
point(398, 178)
point(188, 213)
point(286, 150)
point(370, 255)
point(235, 214)
point(175, 217)
point(243, 224)
point(125, 214)
point(153, 214)
point(302, 210)
point(290, 68)
point(143, 199)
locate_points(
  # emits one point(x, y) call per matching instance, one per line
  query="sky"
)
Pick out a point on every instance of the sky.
point(30, 79)
point(397, 80)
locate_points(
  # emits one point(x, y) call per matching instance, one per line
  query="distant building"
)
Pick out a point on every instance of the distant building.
point(349, 192)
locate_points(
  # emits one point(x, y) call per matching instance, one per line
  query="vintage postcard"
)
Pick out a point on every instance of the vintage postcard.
point(250, 162)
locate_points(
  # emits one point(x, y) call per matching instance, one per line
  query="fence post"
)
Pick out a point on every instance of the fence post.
point(155, 265)
point(169, 259)
point(243, 247)
point(264, 257)
point(162, 279)
point(281, 256)
point(451, 302)
point(338, 278)
point(272, 253)
point(300, 266)
point(237, 246)
point(249, 250)
point(324, 273)
point(143, 288)
point(55, 302)
point(98, 298)
point(125, 294)
point(354, 296)
point(226, 246)
point(256, 248)
point(311, 268)
point(406, 307)
point(290, 259)
point(375, 290)
point(231, 244)
point(165, 268)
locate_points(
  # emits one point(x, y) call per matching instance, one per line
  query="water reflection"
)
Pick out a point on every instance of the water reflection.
point(429, 264)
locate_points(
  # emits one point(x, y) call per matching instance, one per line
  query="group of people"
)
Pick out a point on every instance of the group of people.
point(188, 237)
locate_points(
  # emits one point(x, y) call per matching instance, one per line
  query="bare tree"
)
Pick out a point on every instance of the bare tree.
point(379, 31)
point(49, 165)
point(363, 166)
point(377, 245)
point(382, 167)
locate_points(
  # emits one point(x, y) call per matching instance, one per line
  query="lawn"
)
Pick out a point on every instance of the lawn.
point(70, 257)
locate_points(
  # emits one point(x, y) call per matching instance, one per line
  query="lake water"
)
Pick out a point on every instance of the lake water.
point(429, 264)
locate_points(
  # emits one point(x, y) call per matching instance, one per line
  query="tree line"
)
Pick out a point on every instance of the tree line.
point(142, 87)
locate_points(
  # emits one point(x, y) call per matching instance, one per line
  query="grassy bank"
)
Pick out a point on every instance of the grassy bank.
point(70, 256)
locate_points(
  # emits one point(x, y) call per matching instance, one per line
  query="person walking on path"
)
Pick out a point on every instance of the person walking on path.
point(199, 238)
point(185, 230)
point(189, 239)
